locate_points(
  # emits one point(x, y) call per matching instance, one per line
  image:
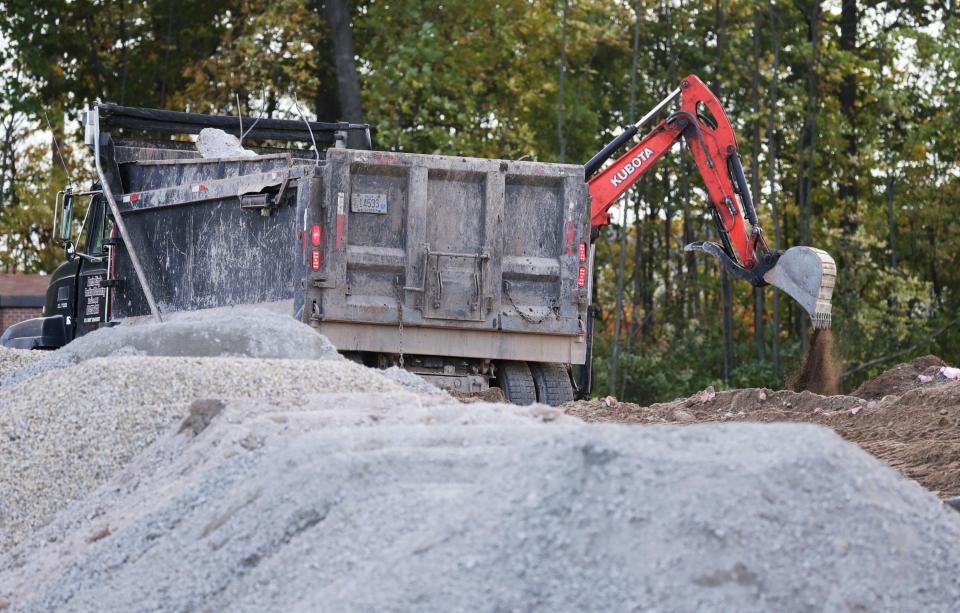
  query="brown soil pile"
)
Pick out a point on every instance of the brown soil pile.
point(916, 432)
point(899, 379)
point(818, 373)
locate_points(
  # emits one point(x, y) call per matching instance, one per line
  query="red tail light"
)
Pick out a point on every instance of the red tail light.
point(315, 260)
point(583, 252)
point(315, 235)
point(582, 277)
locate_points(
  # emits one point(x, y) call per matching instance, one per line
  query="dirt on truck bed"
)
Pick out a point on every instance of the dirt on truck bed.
point(913, 426)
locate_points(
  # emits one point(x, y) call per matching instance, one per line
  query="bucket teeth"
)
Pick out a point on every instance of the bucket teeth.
point(807, 275)
point(822, 316)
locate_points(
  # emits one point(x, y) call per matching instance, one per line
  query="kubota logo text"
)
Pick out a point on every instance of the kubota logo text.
point(631, 167)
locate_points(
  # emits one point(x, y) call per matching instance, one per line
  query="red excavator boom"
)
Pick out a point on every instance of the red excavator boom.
point(805, 273)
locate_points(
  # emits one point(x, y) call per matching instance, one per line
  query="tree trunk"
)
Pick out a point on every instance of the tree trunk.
point(755, 177)
point(618, 314)
point(849, 20)
point(772, 176)
point(618, 317)
point(348, 83)
point(847, 192)
point(167, 48)
point(635, 299)
point(124, 53)
point(806, 210)
point(726, 293)
point(561, 133)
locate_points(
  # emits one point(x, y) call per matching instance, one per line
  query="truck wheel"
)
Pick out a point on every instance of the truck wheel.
point(516, 382)
point(552, 382)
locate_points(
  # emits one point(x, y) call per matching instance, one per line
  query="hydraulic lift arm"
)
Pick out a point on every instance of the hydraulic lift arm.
point(805, 273)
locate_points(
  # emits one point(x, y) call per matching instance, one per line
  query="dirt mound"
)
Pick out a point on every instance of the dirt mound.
point(818, 373)
point(917, 433)
point(747, 404)
point(898, 379)
point(395, 502)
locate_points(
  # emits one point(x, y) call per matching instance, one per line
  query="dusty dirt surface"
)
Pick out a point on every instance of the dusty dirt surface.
point(899, 379)
point(913, 427)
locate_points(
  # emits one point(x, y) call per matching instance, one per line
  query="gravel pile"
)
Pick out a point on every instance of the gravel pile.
point(15, 359)
point(71, 419)
point(231, 332)
point(65, 432)
point(412, 382)
point(399, 501)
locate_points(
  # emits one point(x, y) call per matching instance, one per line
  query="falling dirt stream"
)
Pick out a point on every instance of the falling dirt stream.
point(818, 373)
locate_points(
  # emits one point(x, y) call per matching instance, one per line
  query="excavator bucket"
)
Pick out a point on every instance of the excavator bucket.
point(807, 275)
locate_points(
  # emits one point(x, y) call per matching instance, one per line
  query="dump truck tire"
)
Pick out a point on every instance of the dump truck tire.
point(552, 382)
point(516, 381)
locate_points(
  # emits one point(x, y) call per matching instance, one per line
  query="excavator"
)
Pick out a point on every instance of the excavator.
point(805, 273)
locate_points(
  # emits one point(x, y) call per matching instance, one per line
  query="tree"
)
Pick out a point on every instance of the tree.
point(348, 85)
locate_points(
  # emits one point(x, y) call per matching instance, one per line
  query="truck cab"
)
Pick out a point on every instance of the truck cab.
point(77, 295)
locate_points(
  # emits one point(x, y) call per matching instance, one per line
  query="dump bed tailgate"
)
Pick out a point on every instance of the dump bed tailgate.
point(448, 255)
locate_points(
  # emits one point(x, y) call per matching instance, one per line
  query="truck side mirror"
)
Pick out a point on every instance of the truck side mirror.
point(63, 232)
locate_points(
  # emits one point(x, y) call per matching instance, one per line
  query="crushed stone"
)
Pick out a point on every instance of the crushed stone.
point(411, 381)
point(400, 501)
point(64, 432)
point(14, 359)
point(248, 332)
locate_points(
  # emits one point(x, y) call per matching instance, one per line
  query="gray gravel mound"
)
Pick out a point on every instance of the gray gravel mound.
point(412, 381)
point(484, 508)
point(250, 332)
point(14, 359)
point(64, 432)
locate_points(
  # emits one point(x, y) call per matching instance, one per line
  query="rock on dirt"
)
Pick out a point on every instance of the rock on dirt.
point(400, 501)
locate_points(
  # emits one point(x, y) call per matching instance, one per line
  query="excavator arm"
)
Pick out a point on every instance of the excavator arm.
point(805, 273)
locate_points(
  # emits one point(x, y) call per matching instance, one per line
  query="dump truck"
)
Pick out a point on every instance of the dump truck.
point(469, 272)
